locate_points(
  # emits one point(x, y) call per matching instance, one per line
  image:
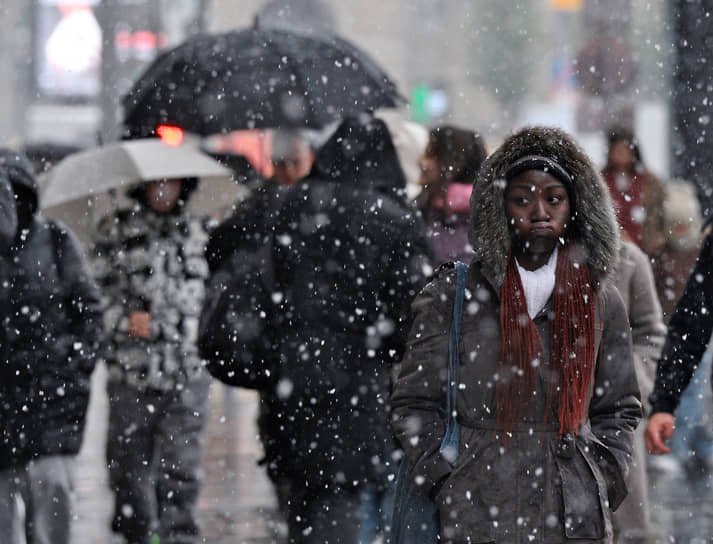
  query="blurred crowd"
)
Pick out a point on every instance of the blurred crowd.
point(304, 293)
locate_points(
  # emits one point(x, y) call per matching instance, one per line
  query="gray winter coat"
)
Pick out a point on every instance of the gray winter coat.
point(539, 488)
point(635, 281)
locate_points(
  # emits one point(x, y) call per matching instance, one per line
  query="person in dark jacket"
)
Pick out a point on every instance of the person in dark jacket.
point(52, 323)
point(689, 332)
point(149, 260)
point(348, 255)
point(448, 168)
point(244, 239)
point(547, 401)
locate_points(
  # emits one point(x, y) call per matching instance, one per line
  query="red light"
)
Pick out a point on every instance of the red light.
point(170, 135)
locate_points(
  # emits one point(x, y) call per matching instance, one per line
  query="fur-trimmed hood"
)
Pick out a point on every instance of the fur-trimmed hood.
point(594, 227)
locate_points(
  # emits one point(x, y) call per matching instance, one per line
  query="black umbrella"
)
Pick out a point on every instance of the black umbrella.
point(256, 78)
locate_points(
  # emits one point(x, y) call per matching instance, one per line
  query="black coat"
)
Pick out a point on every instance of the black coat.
point(248, 228)
point(689, 332)
point(349, 254)
point(53, 320)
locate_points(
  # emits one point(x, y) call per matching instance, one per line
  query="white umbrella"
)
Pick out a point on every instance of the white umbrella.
point(84, 186)
point(124, 164)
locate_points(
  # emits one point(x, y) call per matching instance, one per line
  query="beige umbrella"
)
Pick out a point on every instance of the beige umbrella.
point(86, 185)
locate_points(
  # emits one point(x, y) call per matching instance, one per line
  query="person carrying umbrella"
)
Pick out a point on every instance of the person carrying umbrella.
point(346, 256)
point(149, 261)
point(51, 340)
point(547, 399)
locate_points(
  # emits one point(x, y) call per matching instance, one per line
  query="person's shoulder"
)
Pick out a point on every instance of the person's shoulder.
point(444, 278)
point(610, 298)
point(633, 254)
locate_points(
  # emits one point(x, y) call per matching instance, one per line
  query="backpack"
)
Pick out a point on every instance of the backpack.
point(236, 343)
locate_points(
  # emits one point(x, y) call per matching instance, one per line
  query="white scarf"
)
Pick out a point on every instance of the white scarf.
point(538, 284)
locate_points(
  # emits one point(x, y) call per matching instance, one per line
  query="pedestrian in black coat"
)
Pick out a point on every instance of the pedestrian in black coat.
point(348, 255)
point(689, 333)
point(52, 319)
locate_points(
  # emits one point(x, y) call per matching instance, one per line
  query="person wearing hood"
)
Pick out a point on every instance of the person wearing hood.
point(52, 338)
point(547, 401)
point(149, 260)
point(348, 254)
point(448, 168)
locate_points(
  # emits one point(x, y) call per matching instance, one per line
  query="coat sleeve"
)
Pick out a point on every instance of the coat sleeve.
point(689, 333)
point(615, 409)
point(648, 331)
point(418, 399)
point(85, 336)
point(406, 272)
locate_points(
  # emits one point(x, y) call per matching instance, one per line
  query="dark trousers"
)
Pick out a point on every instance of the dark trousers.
point(322, 516)
point(154, 448)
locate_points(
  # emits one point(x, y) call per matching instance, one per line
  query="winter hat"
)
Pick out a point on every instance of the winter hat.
point(682, 215)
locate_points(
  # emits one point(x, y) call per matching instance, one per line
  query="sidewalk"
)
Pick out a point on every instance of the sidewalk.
point(236, 505)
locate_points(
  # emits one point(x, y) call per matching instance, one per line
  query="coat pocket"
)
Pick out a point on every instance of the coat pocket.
point(581, 495)
point(614, 479)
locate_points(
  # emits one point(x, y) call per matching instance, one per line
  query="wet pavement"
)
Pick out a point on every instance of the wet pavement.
point(237, 505)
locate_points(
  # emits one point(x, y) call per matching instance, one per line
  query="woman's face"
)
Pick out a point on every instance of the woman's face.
point(163, 195)
point(430, 168)
point(538, 211)
point(621, 156)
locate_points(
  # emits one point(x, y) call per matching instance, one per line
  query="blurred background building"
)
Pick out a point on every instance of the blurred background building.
point(579, 64)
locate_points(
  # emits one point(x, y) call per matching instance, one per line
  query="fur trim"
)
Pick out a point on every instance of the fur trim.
point(594, 227)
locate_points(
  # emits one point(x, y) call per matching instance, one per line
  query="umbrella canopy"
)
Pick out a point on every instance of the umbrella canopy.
point(256, 78)
point(124, 164)
point(79, 190)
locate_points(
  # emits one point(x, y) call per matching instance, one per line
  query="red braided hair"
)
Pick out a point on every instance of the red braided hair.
point(571, 347)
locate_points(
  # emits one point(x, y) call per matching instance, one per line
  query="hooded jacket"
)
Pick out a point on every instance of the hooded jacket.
point(53, 324)
point(348, 256)
point(540, 487)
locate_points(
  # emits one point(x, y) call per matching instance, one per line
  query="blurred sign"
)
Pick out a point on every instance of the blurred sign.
point(428, 103)
point(565, 5)
point(68, 48)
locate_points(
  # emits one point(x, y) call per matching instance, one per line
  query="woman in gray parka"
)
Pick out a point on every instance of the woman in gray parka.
point(547, 399)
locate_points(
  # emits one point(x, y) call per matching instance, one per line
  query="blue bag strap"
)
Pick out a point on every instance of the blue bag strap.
point(450, 443)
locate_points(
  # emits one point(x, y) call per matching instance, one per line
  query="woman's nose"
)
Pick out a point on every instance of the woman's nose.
point(540, 211)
